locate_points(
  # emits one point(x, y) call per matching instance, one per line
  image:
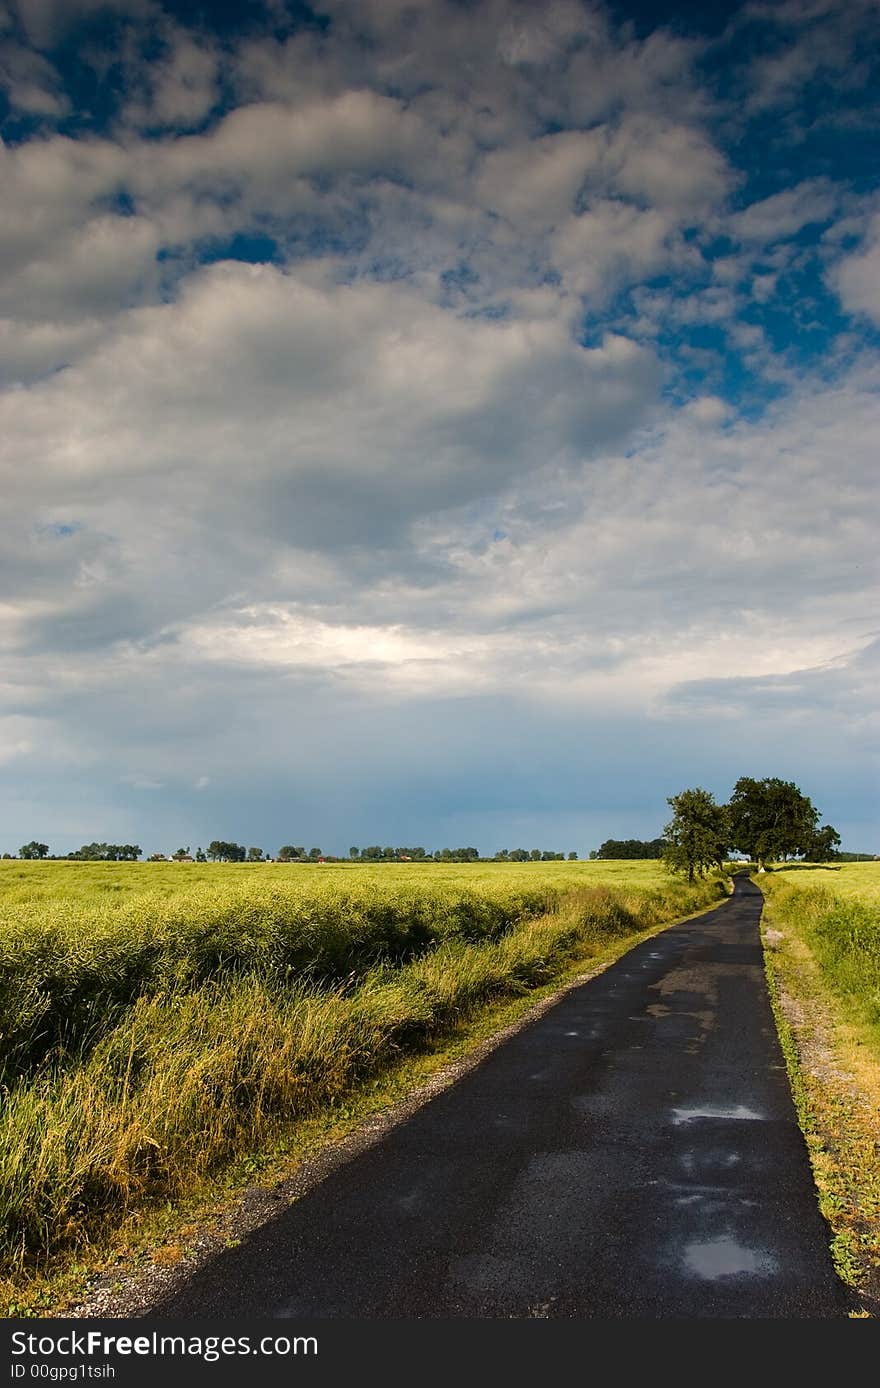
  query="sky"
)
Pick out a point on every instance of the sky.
point(438, 423)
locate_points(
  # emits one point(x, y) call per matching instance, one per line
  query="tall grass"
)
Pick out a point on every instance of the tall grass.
point(843, 934)
point(181, 1040)
point(68, 970)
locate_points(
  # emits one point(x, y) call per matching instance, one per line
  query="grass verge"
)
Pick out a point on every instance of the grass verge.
point(829, 1039)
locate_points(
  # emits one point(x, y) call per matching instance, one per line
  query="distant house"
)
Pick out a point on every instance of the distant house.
point(186, 858)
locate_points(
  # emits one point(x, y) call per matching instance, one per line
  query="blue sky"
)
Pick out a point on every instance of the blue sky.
point(435, 423)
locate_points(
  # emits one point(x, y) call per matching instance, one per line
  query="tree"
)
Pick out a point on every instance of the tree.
point(180, 854)
point(255, 855)
point(107, 852)
point(34, 850)
point(697, 835)
point(771, 819)
point(354, 852)
point(572, 857)
point(219, 850)
point(201, 855)
point(631, 848)
point(823, 849)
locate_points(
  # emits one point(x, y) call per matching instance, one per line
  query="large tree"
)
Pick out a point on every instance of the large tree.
point(34, 850)
point(697, 835)
point(221, 851)
point(771, 819)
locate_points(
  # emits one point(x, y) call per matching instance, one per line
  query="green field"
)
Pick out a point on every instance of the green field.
point(854, 881)
point(23, 882)
point(160, 1020)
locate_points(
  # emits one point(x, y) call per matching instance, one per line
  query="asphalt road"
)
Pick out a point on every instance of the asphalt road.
point(632, 1153)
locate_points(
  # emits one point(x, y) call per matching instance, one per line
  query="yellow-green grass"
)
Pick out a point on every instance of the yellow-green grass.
point(23, 881)
point(823, 963)
point(836, 914)
point(854, 881)
point(152, 1041)
point(79, 942)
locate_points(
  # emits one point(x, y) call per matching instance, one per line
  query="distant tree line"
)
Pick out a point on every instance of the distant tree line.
point(630, 848)
point(766, 820)
point(532, 855)
point(90, 852)
point(227, 851)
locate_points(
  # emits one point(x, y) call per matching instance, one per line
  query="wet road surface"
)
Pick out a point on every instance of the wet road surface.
point(632, 1153)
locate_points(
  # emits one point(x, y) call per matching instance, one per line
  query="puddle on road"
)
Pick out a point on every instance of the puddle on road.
point(690, 1115)
point(724, 1257)
point(688, 1160)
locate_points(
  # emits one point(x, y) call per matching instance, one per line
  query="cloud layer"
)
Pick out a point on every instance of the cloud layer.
point(432, 422)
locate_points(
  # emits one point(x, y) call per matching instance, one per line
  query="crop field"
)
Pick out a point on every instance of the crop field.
point(23, 882)
point(854, 881)
point(159, 1020)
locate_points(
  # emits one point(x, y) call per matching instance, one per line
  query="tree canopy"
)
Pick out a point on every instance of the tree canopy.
point(34, 850)
point(697, 835)
point(108, 852)
point(219, 850)
point(772, 819)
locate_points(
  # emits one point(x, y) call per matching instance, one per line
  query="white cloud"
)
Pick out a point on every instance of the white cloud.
point(784, 214)
point(47, 22)
point(669, 166)
point(537, 182)
point(809, 40)
point(31, 82)
point(182, 86)
point(709, 409)
point(98, 269)
point(857, 276)
point(611, 244)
